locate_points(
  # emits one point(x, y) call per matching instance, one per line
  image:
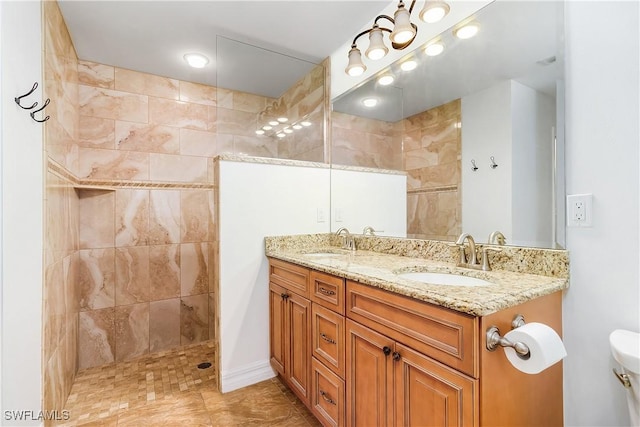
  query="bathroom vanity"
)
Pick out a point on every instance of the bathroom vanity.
point(360, 344)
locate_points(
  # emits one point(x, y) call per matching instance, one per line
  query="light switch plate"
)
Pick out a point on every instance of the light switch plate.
point(579, 210)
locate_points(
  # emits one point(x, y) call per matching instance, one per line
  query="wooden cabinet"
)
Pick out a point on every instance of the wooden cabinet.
point(327, 395)
point(327, 335)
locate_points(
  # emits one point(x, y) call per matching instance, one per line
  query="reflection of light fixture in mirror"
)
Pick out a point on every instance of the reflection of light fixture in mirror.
point(281, 135)
point(434, 11)
point(305, 123)
point(259, 132)
point(403, 34)
point(274, 122)
point(408, 65)
point(283, 119)
point(434, 48)
point(297, 126)
point(267, 127)
point(386, 80)
point(196, 60)
point(370, 102)
point(467, 30)
point(287, 130)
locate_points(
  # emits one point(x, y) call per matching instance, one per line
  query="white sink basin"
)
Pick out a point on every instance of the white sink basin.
point(444, 279)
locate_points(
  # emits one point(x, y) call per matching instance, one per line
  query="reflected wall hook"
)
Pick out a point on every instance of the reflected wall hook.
point(18, 98)
point(474, 167)
point(493, 163)
point(33, 113)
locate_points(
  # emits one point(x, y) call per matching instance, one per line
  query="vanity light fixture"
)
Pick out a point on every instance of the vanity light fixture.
point(386, 80)
point(434, 48)
point(409, 65)
point(466, 31)
point(370, 102)
point(402, 35)
point(196, 60)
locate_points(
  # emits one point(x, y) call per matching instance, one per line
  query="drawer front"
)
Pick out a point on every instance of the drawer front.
point(327, 396)
point(445, 335)
point(289, 276)
point(328, 291)
point(327, 335)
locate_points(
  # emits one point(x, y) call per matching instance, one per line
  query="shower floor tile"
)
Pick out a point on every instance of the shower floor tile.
point(168, 389)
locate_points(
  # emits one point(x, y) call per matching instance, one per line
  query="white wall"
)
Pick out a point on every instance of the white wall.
point(22, 212)
point(602, 105)
point(258, 200)
point(371, 199)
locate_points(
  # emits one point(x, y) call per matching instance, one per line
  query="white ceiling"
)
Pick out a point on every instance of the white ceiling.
point(153, 36)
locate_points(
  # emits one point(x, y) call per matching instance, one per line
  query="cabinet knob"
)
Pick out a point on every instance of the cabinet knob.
point(396, 356)
point(386, 350)
point(326, 398)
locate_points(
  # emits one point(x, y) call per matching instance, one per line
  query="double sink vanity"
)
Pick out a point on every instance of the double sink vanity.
point(393, 332)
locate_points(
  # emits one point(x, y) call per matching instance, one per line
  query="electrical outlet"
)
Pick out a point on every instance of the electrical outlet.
point(579, 210)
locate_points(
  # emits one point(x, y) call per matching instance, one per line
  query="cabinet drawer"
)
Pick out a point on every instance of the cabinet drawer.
point(445, 335)
point(327, 396)
point(327, 335)
point(289, 276)
point(327, 290)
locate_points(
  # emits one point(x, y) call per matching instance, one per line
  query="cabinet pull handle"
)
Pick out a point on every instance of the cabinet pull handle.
point(328, 399)
point(326, 291)
point(284, 295)
point(386, 350)
point(396, 356)
point(327, 339)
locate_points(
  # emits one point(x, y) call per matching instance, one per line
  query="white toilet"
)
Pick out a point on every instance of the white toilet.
point(625, 346)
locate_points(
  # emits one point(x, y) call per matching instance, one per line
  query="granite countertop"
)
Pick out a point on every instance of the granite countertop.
point(507, 288)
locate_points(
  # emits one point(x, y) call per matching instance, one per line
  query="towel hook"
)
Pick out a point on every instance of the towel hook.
point(493, 163)
point(474, 167)
point(33, 113)
point(18, 98)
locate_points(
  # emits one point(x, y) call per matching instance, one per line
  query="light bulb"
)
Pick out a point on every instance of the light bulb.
point(297, 127)
point(467, 31)
point(259, 132)
point(196, 60)
point(355, 67)
point(377, 49)
point(305, 123)
point(370, 102)
point(434, 49)
point(434, 11)
point(386, 80)
point(267, 127)
point(283, 119)
point(281, 135)
point(409, 65)
point(274, 123)
point(403, 31)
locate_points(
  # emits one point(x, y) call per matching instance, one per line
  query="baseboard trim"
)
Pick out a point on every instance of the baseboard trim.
point(234, 379)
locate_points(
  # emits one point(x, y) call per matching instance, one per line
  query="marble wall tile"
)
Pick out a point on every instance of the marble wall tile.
point(164, 324)
point(96, 338)
point(169, 167)
point(213, 266)
point(146, 84)
point(225, 98)
point(164, 271)
point(147, 138)
point(198, 143)
point(164, 217)
point(112, 104)
point(54, 309)
point(71, 271)
point(96, 75)
point(194, 269)
point(212, 119)
point(433, 215)
point(178, 114)
point(56, 220)
point(56, 36)
point(198, 93)
point(255, 146)
point(239, 123)
point(194, 319)
point(434, 176)
point(94, 132)
point(212, 316)
point(132, 275)
point(132, 217)
point(97, 214)
point(195, 214)
point(213, 215)
point(132, 331)
point(97, 278)
point(113, 164)
point(248, 102)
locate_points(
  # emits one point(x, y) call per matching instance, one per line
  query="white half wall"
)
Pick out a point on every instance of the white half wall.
point(258, 200)
point(603, 134)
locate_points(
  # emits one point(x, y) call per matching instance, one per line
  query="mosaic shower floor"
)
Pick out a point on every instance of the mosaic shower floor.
point(168, 389)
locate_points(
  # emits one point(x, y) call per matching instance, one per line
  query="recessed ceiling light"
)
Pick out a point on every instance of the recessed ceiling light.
point(370, 102)
point(305, 123)
point(297, 127)
point(434, 11)
point(283, 119)
point(409, 65)
point(196, 60)
point(386, 80)
point(259, 132)
point(434, 49)
point(467, 31)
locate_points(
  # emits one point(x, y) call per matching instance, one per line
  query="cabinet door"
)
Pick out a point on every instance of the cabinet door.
point(277, 327)
point(369, 377)
point(428, 393)
point(298, 360)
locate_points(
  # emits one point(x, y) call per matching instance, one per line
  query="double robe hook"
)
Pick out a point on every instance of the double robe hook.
point(18, 99)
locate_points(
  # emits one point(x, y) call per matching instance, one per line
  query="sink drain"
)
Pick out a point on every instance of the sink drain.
point(204, 365)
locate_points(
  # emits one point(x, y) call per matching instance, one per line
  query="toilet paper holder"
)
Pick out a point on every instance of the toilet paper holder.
point(494, 339)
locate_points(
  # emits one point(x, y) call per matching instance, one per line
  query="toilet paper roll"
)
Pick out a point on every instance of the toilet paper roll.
point(545, 347)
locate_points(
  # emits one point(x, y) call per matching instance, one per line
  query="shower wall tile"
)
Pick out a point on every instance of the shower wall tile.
point(112, 104)
point(113, 164)
point(132, 331)
point(147, 138)
point(168, 167)
point(97, 214)
point(194, 269)
point(195, 214)
point(97, 75)
point(164, 271)
point(235, 122)
point(96, 338)
point(247, 102)
point(212, 316)
point(95, 132)
point(132, 275)
point(164, 217)
point(54, 310)
point(255, 146)
point(164, 324)
point(178, 114)
point(97, 278)
point(194, 319)
point(198, 93)
point(198, 143)
point(146, 84)
point(132, 217)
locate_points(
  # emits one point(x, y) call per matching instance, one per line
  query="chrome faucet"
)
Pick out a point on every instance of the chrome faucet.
point(368, 230)
point(472, 260)
point(497, 238)
point(348, 242)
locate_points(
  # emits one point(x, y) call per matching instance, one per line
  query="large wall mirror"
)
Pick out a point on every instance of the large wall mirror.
point(478, 129)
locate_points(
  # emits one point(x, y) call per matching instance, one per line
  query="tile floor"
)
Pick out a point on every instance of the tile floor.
point(168, 389)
